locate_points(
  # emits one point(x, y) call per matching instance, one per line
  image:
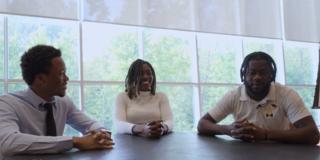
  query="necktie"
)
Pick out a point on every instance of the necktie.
point(50, 123)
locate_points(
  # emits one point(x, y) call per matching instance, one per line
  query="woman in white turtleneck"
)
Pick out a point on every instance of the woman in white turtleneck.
point(140, 110)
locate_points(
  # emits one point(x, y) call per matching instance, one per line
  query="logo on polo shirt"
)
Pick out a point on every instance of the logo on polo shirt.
point(268, 110)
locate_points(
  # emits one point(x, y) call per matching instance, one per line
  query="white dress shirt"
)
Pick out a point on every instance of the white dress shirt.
point(22, 123)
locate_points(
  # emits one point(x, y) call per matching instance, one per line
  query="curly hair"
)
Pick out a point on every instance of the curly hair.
point(133, 78)
point(37, 60)
point(258, 56)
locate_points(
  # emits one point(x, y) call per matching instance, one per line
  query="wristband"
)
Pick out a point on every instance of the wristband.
point(165, 128)
point(133, 132)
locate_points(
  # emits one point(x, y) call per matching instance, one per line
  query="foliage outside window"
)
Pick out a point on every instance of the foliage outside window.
point(184, 62)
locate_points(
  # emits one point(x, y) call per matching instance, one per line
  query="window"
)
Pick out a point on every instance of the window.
point(271, 47)
point(108, 51)
point(24, 32)
point(220, 58)
point(181, 101)
point(301, 64)
point(59, 8)
point(99, 100)
point(1, 53)
point(119, 11)
point(301, 19)
point(301, 59)
point(195, 47)
point(170, 53)
point(173, 14)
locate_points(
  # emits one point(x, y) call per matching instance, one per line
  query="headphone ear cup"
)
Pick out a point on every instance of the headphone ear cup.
point(241, 75)
point(273, 77)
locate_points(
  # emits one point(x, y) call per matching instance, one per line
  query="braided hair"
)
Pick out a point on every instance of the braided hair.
point(132, 82)
point(258, 56)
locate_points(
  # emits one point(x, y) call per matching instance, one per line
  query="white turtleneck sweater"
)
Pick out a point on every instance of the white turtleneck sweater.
point(141, 110)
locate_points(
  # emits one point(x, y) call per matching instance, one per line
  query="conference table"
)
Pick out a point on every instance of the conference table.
point(186, 146)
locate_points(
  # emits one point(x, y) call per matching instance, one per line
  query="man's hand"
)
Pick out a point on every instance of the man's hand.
point(257, 133)
point(239, 130)
point(93, 140)
point(100, 136)
point(247, 131)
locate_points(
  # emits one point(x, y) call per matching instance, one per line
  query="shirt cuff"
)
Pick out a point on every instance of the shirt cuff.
point(66, 143)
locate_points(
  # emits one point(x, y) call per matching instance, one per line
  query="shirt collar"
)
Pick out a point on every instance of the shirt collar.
point(270, 97)
point(144, 93)
point(34, 99)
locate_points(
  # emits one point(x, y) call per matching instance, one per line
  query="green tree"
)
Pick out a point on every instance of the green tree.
point(169, 55)
point(99, 99)
point(218, 67)
point(171, 58)
point(24, 34)
point(218, 63)
point(99, 102)
point(114, 63)
point(297, 63)
point(180, 99)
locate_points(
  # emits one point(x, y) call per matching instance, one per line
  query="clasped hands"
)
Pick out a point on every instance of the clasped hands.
point(94, 140)
point(247, 131)
point(153, 129)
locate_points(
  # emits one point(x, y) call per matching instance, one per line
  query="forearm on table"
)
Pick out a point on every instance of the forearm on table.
point(123, 127)
point(30, 144)
point(306, 135)
point(207, 127)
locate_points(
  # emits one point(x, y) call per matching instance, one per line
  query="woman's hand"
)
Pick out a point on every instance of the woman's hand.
point(153, 129)
point(156, 129)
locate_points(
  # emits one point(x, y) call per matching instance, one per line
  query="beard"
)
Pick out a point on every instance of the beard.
point(261, 90)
